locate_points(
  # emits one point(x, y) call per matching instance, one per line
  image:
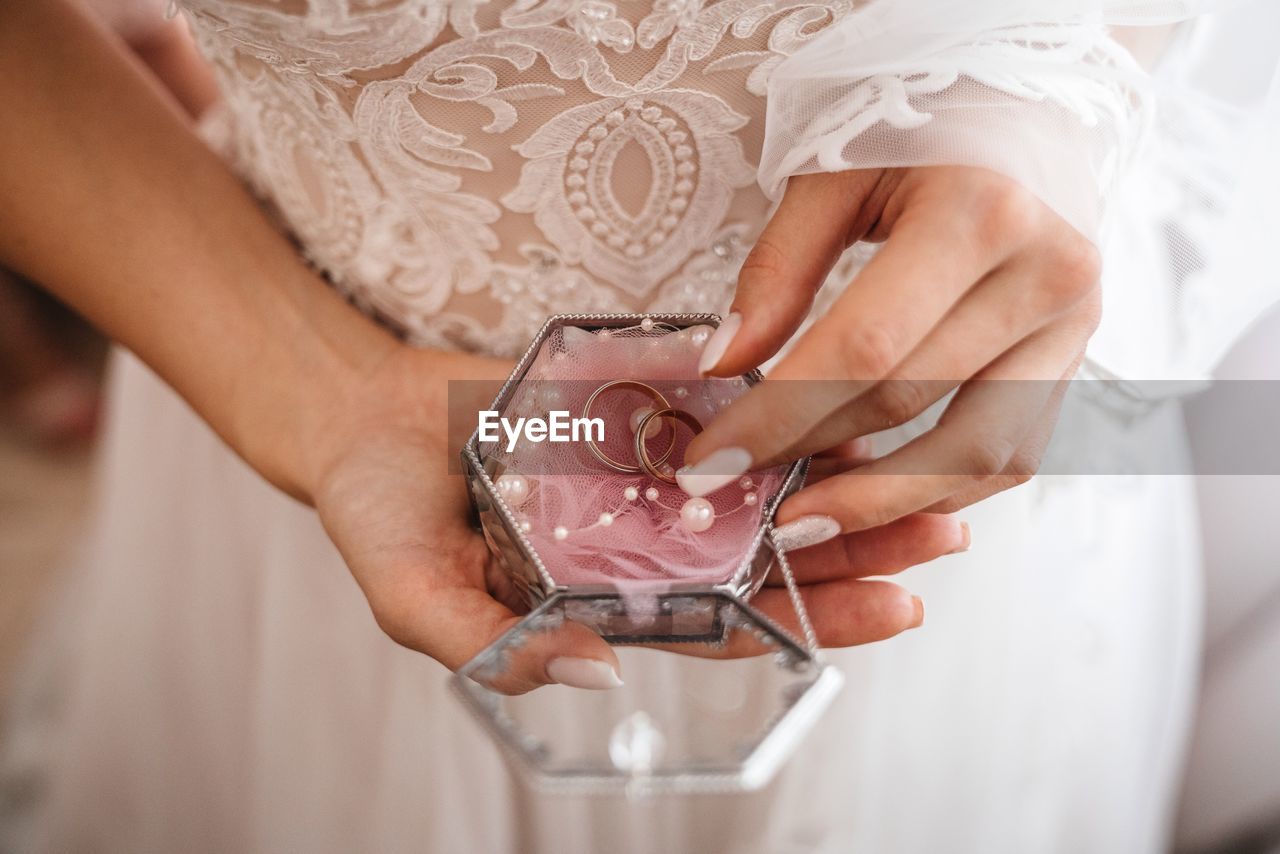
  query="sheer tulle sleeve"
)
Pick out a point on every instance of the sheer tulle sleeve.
point(1151, 165)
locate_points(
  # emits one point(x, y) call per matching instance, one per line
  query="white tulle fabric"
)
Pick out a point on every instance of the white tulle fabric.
point(1043, 91)
point(1035, 89)
point(1186, 251)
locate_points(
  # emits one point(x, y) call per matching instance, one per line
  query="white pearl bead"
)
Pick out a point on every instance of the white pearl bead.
point(561, 532)
point(631, 493)
point(681, 392)
point(651, 493)
point(526, 526)
point(654, 424)
point(697, 515)
point(606, 519)
point(749, 499)
point(514, 489)
point(647, 324)
point(746, 483)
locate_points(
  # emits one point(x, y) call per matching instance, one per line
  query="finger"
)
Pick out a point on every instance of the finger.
point(436, 604)
point(847, 612)
point(788, 264)
point(1011, 304)
point(821, 468)
point(564, 652)
point(843, 613)
point(1026, 460)
point(910, 541)
point(895, 301)
point(986, 421)
point(857, 449)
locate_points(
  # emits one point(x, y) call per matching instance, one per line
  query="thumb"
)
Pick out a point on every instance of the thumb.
point(565, 653)
point(455, 625)
point(814, 223)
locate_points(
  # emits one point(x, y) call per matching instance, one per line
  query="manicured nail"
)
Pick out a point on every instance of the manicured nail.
point(965, 539)
point(861, 447)
point(587, 673)
point(805, 531)
point(722, 467)
point(719, 343)
point(919, 618)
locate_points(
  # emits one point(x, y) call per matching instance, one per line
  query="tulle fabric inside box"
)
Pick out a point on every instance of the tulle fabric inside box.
point(591, 524)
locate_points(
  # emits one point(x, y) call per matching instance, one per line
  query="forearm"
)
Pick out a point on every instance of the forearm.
point(114, 204)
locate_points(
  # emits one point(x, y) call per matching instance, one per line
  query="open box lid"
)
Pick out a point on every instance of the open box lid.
point(719, 711)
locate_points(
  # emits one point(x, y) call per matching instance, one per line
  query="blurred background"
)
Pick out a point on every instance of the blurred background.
point(50, 372)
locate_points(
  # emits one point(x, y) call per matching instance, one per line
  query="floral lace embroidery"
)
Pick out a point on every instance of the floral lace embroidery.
point(462, 170)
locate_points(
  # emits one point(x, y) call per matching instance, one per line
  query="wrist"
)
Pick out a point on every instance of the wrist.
point(310, 374)
point(406, 397)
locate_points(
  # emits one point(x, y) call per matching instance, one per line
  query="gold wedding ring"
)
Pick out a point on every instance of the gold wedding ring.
point(642, 452)
point(663, 405)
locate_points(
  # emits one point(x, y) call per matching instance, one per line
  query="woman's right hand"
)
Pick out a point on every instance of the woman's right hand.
point(386, 493)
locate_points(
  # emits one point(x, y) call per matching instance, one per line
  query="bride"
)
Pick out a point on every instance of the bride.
point(393, 194)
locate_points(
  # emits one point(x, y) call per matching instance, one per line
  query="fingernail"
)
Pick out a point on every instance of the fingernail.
point(719, 343)
point(919, 618)
point(861, 447)
point(805, 531)
point(965, 539)
point(587, 673)
point(722, 467)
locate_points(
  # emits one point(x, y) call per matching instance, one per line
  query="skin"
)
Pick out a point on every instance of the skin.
point(977, 284)
point(115, 205)
point(44, 382)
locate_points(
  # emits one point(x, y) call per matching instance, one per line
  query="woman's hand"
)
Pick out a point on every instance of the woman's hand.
point(979, 288)
point(387, 497)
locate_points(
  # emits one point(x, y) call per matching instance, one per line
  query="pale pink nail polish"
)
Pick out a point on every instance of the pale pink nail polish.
point(719, 343)
point(861, 447)
point(965, 540)
point(588, 673)
point(719, 469)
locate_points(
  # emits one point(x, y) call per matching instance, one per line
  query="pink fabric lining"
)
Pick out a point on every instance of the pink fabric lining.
point(569, 487)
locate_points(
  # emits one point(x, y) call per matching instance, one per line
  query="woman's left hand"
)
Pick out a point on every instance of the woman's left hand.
point(378, 470)
point(979, 288)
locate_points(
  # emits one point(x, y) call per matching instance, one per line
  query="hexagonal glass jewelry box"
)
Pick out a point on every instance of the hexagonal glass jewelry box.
point(716, 694)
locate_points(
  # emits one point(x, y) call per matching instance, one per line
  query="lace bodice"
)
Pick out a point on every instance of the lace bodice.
point(463, 170)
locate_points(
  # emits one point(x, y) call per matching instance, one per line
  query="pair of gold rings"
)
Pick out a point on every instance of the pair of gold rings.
point(662, 409)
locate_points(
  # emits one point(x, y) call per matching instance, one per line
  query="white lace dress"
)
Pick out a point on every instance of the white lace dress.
point(462, 170)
